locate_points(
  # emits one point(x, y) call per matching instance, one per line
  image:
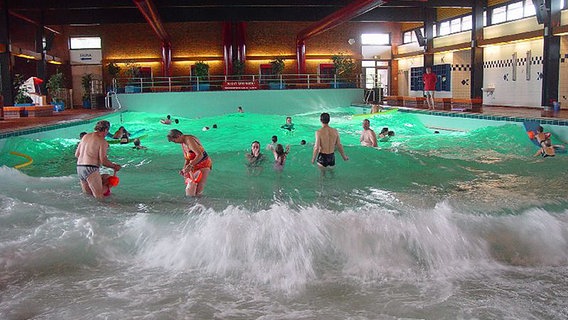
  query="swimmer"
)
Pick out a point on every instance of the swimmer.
point(137, 145)
point(368, 137)
point(214, 126)
point(255, 158)
point(121, 132)
point(280, 156)
point(240, 110)
point(91, 153)
point(167, 120)
point(272, 145)
point(375, 108)
point(288, 125)
point(205, 129)
point(327, 140)
point(303, 142)
point(197, 164)
point(384, 133)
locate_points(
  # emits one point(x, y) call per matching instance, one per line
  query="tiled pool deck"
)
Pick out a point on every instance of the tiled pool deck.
point(73, 117)
point(508, 114)
point(59, 120)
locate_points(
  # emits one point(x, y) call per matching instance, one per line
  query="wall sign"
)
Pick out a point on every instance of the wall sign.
point(86, 56)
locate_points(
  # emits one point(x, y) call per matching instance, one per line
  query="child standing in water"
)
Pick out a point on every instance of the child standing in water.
point(280, 156)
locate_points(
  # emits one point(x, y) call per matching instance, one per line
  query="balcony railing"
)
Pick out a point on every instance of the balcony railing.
point(243, 82)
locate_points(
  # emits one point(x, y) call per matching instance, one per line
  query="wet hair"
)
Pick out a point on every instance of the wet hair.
point(137, 142)
point(82, 134)
point(303, 142)
point(174, 133)
point(324, 118)
point(168, 116)
point(102, 126)
point(255, 141)
point(274, 138)
point(385, 129)
point(279, 149)
point(214, 126)
point(540, 129)
point(390, 133)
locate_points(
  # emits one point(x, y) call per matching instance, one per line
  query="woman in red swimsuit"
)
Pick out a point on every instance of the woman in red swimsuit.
point(197, 162)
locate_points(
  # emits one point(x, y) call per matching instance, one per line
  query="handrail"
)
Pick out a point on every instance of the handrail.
point(215, 82)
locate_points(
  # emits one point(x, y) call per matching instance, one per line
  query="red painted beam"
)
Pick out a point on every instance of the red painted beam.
point(152, 16)
point(349, 12)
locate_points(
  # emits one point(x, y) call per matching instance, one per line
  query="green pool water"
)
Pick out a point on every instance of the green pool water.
point(481, 168)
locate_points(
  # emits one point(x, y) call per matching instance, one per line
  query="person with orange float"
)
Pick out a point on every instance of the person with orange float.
point(197, 164)
point(91, 153)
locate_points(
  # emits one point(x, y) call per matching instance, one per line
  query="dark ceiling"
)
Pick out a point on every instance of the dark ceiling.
point(69, 12)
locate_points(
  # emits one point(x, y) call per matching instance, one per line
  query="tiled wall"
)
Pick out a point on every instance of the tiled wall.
point(461, 75)
point(563, 72)
point(517, 82)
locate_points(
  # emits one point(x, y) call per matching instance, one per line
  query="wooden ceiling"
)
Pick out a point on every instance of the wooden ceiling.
point(71, 12)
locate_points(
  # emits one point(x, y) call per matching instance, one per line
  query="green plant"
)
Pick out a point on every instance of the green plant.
point(277, 66)
point(344, 66)
point(86, 81)
point(201, 70)
point(113, 69)
point(132, 70)
point(238, 67)
point(55, 86)
point(21, 91)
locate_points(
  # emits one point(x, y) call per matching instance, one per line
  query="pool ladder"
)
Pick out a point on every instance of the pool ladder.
point(108, 100)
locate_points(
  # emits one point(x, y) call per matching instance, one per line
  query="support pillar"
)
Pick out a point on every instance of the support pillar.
point(5, 61)
point(429, 18)
point(551, 54)
point(476, 73)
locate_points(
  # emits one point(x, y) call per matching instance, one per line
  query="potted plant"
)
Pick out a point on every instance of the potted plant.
point(277, 68)
point(86, 83)
point(238, 68)
point(132, 72)
point(201, 74)
point(344, 69)
point(55, 87)
point(113, 70)
point(21, 98)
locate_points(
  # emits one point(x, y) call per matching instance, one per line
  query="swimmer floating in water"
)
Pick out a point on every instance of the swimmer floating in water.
point(288, 125)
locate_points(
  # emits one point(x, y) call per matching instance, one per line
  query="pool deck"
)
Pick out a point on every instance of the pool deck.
point(9, 126)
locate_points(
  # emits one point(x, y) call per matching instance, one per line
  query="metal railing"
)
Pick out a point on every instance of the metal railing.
point(244, 82)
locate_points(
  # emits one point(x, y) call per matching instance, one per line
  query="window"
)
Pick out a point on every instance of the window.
point(455, 25)
point(85, 42)
point(375, 39)
point(466, 23)
point(444, 28)
point(515, 11)
point(529, 9)
point(407, 37)
point(499, 15)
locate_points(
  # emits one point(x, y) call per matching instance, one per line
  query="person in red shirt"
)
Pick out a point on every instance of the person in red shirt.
point(429, 79)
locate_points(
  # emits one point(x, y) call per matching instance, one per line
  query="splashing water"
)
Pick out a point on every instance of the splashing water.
point(455, 225)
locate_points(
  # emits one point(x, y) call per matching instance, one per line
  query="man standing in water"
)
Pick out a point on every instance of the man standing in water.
point(91, 153)
point(327, 139)
point(368, 137)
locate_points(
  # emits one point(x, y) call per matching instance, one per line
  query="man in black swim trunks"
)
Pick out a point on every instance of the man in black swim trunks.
point(327, 139)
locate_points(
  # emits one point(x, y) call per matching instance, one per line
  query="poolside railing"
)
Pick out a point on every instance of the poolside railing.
point(232, 82)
